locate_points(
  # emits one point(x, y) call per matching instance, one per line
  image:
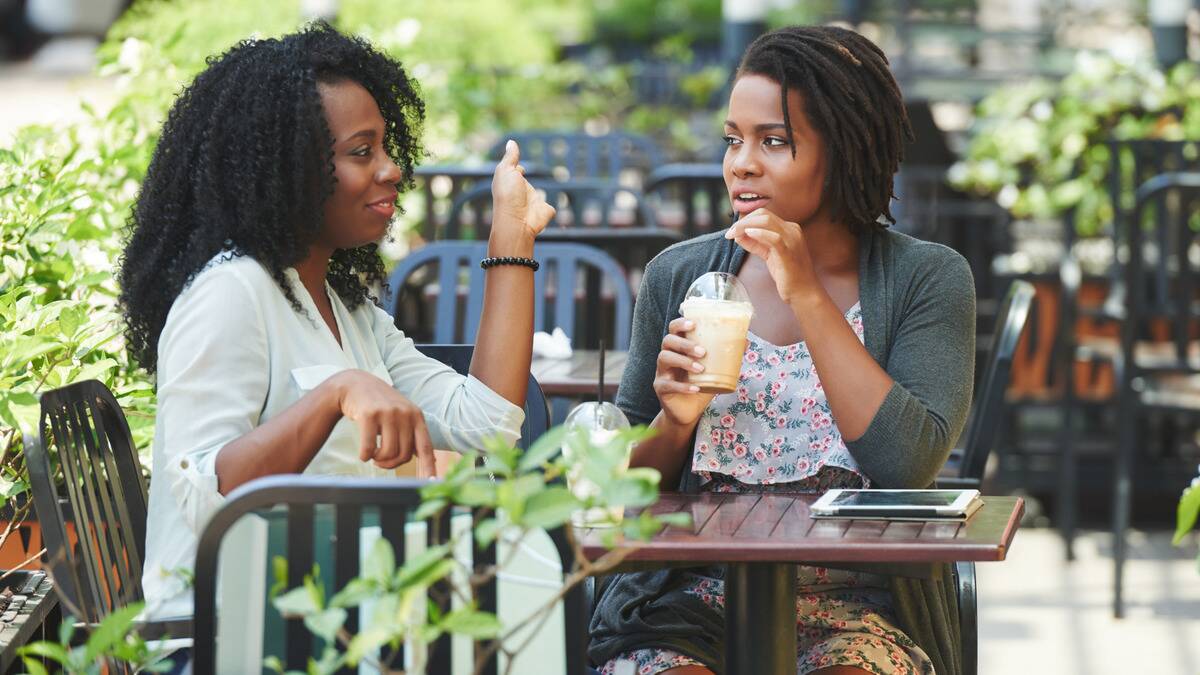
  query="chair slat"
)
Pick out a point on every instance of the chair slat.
point(300, 561)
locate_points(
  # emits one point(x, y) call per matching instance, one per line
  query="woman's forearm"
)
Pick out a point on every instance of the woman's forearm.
point(286, 443)
point(855, 385)
point(504, 342)
point(666, 451)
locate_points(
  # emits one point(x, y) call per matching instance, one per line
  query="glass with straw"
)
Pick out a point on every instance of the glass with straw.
point(599, 423)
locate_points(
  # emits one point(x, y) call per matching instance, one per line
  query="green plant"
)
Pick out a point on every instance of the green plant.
point(1189, 510)
point(114, 638)
point(511, 494)
point(1039, 147)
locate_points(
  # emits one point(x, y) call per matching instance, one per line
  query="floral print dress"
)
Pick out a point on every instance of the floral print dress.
point(774, 433)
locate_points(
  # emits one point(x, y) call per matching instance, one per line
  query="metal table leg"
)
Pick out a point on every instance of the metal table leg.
point(760, 618)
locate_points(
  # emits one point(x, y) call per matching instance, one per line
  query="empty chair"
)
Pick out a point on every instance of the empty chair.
point(689, 198)
point(1156, 377)
point(99, 570)
point(574, 155)
point(965, 468)
point(614, 219)
point(561, 286)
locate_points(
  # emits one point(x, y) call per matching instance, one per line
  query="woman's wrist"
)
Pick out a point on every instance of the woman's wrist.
point(510, 240)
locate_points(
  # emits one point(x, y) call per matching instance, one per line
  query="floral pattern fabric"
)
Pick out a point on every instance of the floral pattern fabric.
point(776, 426)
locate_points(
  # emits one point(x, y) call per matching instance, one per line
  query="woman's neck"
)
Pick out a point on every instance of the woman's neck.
point(312, 271)
point(833, 247)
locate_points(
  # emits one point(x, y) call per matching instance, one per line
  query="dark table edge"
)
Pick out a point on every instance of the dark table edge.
point(47, 600)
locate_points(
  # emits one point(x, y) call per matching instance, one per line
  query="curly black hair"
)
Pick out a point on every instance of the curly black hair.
point(852, 101)
point(245, 164)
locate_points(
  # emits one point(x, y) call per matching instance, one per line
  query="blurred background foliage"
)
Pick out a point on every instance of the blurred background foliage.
point(1039, 147)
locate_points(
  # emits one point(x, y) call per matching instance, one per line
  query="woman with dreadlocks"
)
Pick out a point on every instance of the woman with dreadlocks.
point(858, 370)
point(246, 286)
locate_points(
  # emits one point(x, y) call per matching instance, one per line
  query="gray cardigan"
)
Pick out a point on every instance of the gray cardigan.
point(918, 309)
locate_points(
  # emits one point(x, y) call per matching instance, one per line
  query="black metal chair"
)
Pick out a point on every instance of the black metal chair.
point(574, 155)
point(84, 432)
point(1162, 283)
point(613, 218)
point(965, 468)
point(689, 198)
point(567, 271)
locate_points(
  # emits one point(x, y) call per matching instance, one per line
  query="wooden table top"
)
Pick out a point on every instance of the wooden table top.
point(779, 528)
point(579, 374)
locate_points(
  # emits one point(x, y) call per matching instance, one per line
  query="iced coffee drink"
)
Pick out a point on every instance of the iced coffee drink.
point(720, 309)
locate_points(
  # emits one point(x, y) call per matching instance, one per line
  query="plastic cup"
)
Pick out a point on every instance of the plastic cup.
point(601, 422)
point(718, 305)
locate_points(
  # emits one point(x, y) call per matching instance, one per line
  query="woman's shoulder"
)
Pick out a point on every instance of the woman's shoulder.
point(683, 258)
point(905, 255)
point(231, 276)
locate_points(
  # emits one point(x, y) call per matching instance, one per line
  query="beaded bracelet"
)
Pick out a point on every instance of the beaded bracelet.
point(510, 260)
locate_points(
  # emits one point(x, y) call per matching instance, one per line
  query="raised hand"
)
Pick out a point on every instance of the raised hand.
point(518, 210)
point(781, 246)
point(682, 403)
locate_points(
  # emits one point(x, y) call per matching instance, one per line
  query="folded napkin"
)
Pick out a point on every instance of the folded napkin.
point(554, 345)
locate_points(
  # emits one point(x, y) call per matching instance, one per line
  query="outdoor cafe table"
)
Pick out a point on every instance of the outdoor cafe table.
point(579, 374)
point(762, 537)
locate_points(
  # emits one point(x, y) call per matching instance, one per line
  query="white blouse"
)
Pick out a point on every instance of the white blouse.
point(233, 354)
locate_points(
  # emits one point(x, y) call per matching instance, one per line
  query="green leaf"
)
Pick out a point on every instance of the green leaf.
point(477, 492)
point(486, 531)
point(675, 519)
point(1189, 509)
point(273, 663)
point(511, 495)
point(114, 628)
point(472, 623)
point(380, 564)
point(356, 591)
point(326, 623)
point(45, 649)
point(550, 508)
point(636, 490)
point(366, 642)
point(279, 571)
point(543, 449)
point(296, 602)
point(34, 667)
point(429, 508)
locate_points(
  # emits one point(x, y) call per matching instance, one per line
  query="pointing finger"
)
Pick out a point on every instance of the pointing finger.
point(512, 153)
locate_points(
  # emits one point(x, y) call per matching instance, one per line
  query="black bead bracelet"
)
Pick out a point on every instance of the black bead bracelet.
point(510, 260)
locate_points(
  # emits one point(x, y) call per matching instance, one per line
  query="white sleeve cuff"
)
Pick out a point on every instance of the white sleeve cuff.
point(193, 481)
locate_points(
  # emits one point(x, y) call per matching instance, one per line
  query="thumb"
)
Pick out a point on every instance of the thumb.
point(512, 154)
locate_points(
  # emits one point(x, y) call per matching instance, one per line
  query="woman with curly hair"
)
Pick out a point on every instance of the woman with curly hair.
point(246, 286)
point(858, 371)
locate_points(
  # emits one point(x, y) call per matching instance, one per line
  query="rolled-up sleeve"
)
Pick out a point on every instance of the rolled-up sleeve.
point(213, 378)
point(460, 410)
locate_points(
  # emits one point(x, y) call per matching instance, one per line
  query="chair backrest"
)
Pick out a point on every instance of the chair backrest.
point(692, 198)
point(565, 271)
point(84, 431)
point(1162, 270)
point(582, 155)
point(989, 403)
point(537, 414)
point(349, 498)
point(579, 204)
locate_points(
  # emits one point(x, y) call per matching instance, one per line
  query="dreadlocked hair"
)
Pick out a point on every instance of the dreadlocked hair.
point(244, 165)
point(852, 101)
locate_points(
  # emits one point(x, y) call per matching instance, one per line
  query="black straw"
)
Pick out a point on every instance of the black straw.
point(600, 387)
